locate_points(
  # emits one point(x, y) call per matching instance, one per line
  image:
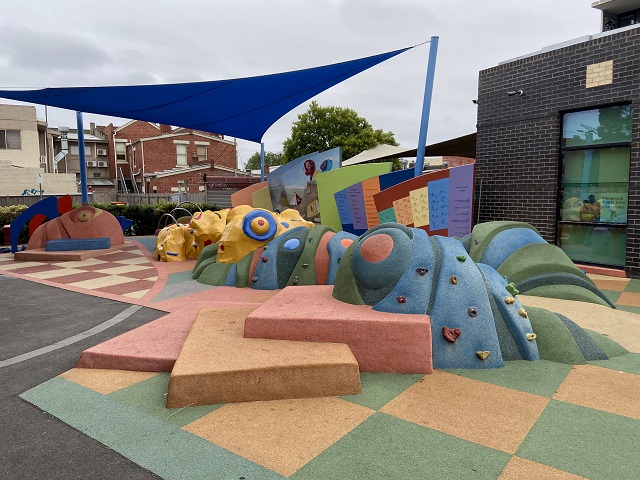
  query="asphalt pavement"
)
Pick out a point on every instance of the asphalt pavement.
point(43, 330)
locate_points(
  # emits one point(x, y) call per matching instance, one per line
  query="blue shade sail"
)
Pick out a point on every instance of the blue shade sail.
point(243, 108)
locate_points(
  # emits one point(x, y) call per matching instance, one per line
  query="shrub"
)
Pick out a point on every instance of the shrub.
point(9, 214)
point(146, 218)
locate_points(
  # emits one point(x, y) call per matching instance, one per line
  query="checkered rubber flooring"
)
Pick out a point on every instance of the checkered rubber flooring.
point(125, 272)
point(528, 420)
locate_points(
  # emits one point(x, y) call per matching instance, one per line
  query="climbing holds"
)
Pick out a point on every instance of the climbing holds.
point(254, 279)
point(483, 355)
point(522, 312)
point(402, 299)
point(450, 334)
point(305, 265)
point(472, 311)
point(453, 280)
point(291, 244)
point(531, 336)
point(509, 300)
point(461, 258)
point(511, 288)
point(421, 270)
point(264, 259)
point(296, 279)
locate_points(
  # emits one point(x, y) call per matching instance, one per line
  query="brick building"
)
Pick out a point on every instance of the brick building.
point(149, 158)
point(558, 142)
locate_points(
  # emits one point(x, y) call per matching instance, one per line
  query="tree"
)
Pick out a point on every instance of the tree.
point(323, 128)
point(270, 158)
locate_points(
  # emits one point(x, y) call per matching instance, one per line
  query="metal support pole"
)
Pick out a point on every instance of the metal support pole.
point(262, 162)
point(83, 160)
point(426, 105)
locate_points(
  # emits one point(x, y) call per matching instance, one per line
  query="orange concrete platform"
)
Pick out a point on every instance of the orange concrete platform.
point(218, 365)
point(41, 255)
point(381, 342)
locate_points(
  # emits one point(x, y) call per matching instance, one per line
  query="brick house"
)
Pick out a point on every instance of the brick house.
point(558, 142)
point(150, 158)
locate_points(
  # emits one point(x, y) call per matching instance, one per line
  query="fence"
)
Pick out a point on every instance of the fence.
point(99, 197)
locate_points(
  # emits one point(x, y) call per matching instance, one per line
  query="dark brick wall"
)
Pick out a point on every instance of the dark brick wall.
point(518, 143)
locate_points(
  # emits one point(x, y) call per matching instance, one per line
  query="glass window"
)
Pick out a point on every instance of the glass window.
point(603, 244)
point(74, 149)
point(597, 127)
point(121, 152)
point(594, 187)
point(181, 154)
point(202, 153)
point(10, 140)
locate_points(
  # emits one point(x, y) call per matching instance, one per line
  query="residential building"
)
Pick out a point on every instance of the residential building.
point(64, 157)
point(151, 158)
point(558, 142)
point(23, 155)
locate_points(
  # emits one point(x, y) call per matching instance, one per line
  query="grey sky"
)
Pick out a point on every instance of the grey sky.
point(59, 43)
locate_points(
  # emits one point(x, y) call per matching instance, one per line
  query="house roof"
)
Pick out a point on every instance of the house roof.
point(464, 146)
point(243, 108)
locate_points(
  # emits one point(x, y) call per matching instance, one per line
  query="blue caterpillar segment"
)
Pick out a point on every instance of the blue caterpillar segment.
point(477, 320)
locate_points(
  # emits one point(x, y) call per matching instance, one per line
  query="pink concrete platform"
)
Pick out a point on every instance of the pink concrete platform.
point(41, 255)
point(381, 342)
point(153, 347)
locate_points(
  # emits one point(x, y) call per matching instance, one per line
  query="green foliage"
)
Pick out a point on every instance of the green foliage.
point(323, 128)
point(270, 158)
point(146, 218)
point(9, 214)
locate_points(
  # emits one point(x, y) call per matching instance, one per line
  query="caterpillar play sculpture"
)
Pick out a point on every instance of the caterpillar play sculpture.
point(468, 286)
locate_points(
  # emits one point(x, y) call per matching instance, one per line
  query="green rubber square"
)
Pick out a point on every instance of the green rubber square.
point(162, 448)
point(385, 447)
point(150, 396)
point(612, 295)
point(584, 441)
point(179, 277)
point(378, 389)
point(629, 363)
point(628, 309)
point(633, 286)
point(540, 377)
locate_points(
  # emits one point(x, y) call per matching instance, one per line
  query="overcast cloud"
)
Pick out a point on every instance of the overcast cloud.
point(77, 43)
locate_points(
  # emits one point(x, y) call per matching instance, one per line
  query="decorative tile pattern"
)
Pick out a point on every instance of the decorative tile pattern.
point(126, 272)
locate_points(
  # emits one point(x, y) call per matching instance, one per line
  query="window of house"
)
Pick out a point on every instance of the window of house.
point(74, 150)
point(10, 140)
point(594, 185)
point(121, 152)
point(202, 153)
point(181, 154)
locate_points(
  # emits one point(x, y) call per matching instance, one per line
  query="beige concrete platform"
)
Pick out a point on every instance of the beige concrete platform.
point(218, 365)
point(380, 341)
point(41, 255)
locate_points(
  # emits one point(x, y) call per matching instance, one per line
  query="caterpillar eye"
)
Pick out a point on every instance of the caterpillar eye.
point(84, 216)
point(259, 225)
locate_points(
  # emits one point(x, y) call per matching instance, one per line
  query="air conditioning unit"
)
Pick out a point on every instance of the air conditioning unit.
point(43, 159)
point(103, 163)
point(91, 163)
point(101, 152)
